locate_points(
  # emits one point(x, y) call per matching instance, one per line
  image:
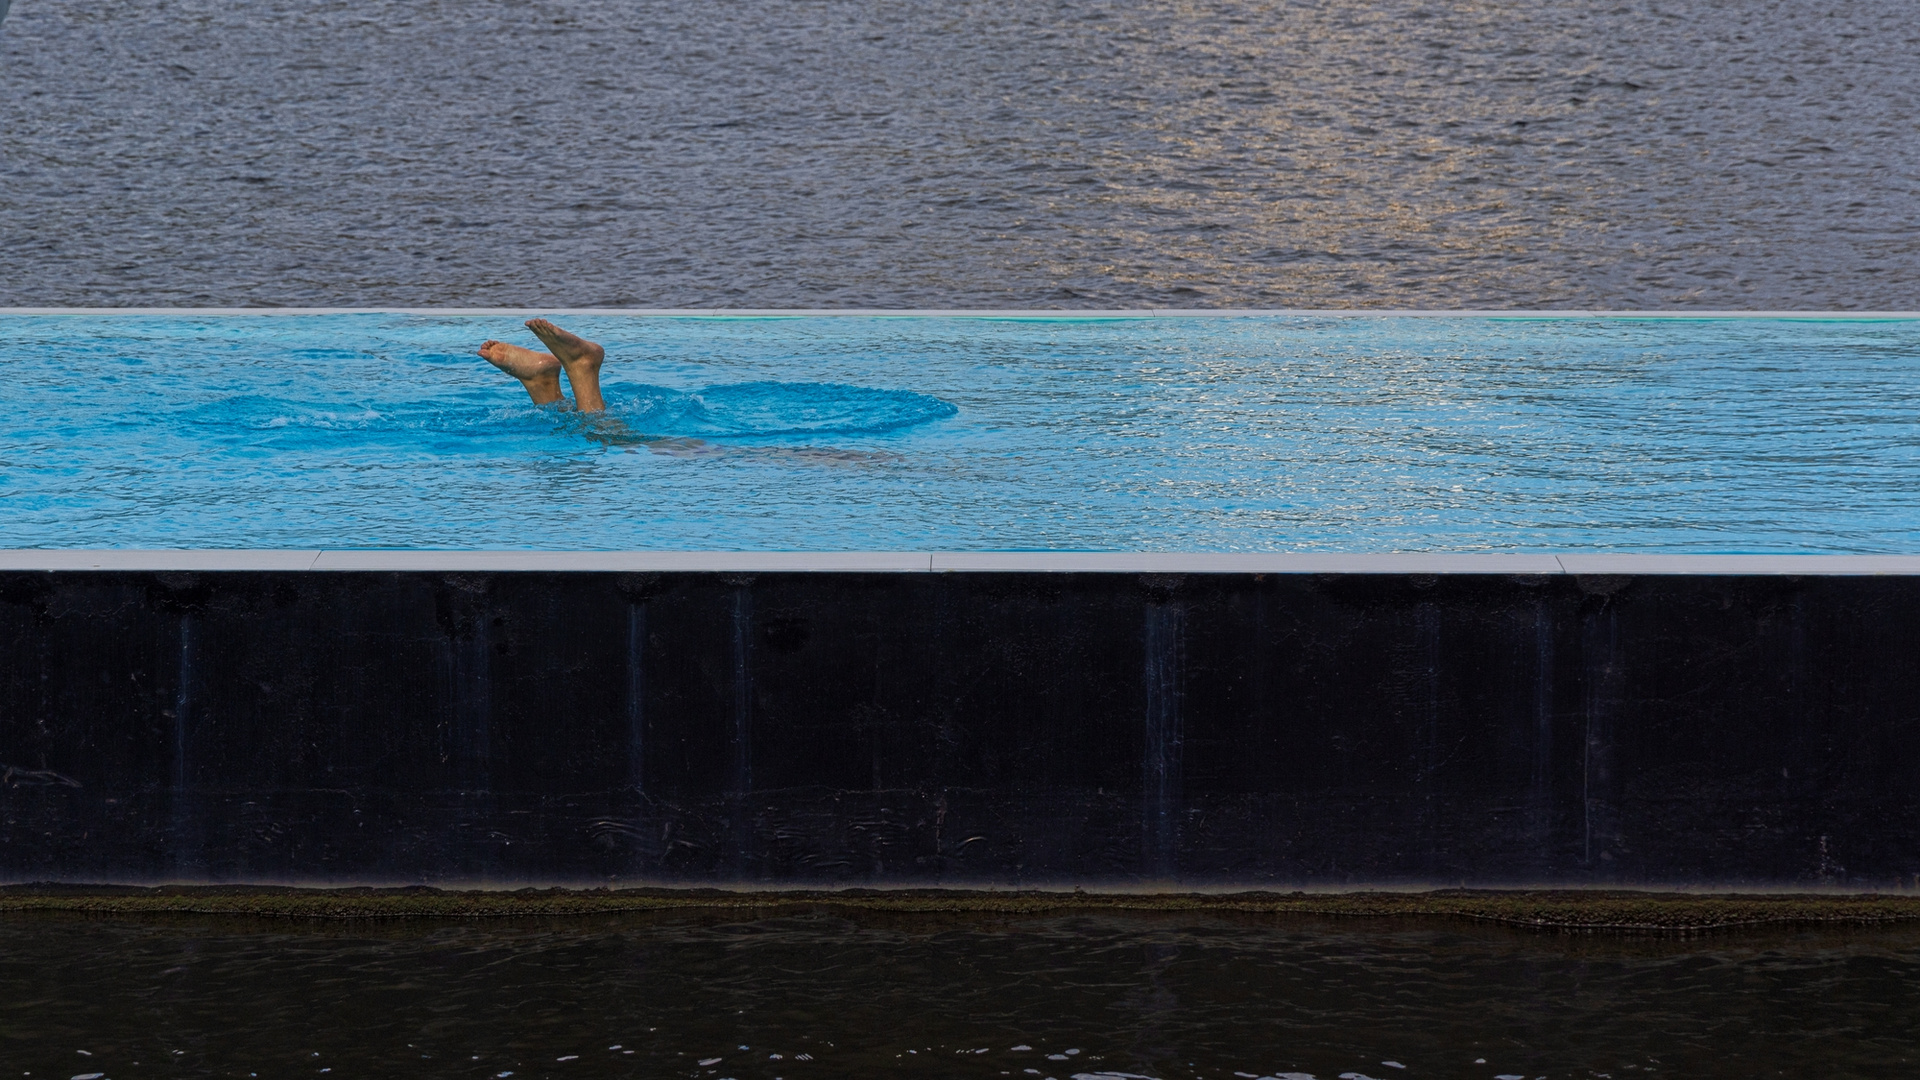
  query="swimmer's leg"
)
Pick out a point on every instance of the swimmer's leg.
point(537, 371)
point(579, 357)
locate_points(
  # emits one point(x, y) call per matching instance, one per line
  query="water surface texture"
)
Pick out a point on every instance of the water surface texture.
point(859, 433)
point(829, 998)
point(966, 153)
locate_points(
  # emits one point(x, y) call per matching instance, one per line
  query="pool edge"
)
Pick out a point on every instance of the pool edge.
point(988, 313)
point(1097, 562)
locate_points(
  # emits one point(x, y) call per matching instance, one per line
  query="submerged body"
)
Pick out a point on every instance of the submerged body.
point(580, 360)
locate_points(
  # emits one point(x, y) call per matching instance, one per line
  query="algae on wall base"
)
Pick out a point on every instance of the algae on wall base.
point(1567, 911)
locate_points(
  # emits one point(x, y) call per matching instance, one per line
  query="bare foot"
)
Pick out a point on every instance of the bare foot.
point(537, 371)
point(579, 357)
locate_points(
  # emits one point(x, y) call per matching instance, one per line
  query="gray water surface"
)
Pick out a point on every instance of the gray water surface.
point(1091, 153)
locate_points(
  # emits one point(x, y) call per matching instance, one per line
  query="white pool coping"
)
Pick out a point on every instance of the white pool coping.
point(985, 313)
point(956, 562)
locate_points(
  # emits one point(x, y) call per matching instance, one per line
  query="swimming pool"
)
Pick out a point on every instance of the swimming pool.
point(1265, 432)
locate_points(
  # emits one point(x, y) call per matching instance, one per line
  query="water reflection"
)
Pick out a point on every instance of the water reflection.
point(827, 995)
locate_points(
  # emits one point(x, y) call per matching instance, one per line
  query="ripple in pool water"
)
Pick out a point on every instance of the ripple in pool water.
point(777, 408)
point(634, 417)
point(728, 410)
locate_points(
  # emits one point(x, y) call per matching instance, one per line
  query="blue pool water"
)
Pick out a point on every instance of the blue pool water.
point(1269, 433)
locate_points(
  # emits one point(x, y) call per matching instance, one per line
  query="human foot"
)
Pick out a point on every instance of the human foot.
point(537, 371)
point(580, 359)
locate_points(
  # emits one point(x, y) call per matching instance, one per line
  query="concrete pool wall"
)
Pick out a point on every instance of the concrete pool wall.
point(1198, 721)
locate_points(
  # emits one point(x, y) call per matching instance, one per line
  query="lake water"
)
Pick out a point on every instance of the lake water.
point(904, 434)
point(967, 153)
point(836, 998)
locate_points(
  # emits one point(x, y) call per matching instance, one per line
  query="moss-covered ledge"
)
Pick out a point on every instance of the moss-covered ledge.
point(1561, 910)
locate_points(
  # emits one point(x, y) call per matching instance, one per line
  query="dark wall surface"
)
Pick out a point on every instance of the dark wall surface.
point(959, 728)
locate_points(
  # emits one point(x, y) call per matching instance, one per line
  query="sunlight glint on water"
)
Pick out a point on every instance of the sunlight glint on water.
point(852, 433)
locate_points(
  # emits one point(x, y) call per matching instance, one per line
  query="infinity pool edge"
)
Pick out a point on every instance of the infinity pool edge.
point(1423, 563)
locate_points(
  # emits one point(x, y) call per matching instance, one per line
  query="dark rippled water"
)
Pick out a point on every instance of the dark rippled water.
point(824, 997)
point(1575, 153)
